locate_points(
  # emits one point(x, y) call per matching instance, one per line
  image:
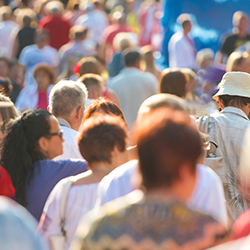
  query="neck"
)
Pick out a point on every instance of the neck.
point(101, 168)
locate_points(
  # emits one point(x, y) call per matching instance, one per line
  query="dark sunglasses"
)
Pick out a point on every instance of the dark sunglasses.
point(59, 133)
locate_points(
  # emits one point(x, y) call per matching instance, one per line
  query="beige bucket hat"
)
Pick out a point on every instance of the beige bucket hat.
point(234, 83)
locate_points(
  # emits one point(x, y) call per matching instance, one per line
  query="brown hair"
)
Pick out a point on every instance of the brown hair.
point(166, 139)
point(172, 82)
point(47, 69)
point(89, 65)
point(91, 80)
point(6, 86)
point(102, 105)
point(99, 135)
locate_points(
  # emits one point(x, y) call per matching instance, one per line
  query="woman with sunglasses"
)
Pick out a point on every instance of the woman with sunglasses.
point(30, 142)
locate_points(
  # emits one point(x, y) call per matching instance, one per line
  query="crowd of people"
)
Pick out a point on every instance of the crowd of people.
point(101, 148)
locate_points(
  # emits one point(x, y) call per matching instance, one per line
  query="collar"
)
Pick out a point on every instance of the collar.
point(235, 111)
point(63, 122)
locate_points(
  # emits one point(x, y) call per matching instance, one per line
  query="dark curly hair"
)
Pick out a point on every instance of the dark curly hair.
point(20, 148)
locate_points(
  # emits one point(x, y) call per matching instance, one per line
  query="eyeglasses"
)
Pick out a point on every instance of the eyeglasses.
point(59, 133)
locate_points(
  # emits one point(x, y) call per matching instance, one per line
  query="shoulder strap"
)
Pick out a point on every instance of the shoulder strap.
point(64, 203)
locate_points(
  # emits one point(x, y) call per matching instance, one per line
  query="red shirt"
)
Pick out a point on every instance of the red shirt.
point(59, 30)
point(6, 187)
point(42, 100)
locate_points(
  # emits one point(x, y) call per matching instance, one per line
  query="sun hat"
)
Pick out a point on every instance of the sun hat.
point(235, 84)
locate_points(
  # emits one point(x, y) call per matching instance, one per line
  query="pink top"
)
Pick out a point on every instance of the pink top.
point(42, 100)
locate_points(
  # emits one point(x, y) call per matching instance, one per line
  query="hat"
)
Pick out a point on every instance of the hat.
point(234, 83)
point(183, 18)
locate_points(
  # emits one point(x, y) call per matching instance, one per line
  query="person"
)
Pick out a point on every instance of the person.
point(30, 143)
point(103, 143)
point(227, 129)
point(17, 227)
point(238, 61)
point(8, 31)
point(182, 52)
point(239, 37)
point(57, 25)
point(94, 19)
point(173, 81)
point(5, 86)
point(67, 103)
point(76, 45)
point(133, 86)
point(38, 53)
point(94, 84)
point(36, 96)
point(204, 58)
point(157, 216)
point(208, 195)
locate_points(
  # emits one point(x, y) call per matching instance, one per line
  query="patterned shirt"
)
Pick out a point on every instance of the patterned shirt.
point(137, 222)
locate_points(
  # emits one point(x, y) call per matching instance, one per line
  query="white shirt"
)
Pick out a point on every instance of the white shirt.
point(132, 87)
point(70, 146)
point(8, 32)
point(32, 55)
point(96, 21)
point(28, 97)
point(181, 52)
point(208, 196)
point(81, 199)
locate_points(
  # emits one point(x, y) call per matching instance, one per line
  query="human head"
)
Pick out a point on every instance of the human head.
point(168, 140)
point(28, 139)
point(234, 90)
point(4, 67)
point(238, 61)
point(66, 100)
point(93, 83)
point(132, 58)
point(5, 86)
point(54, 8)
point(185, 21)
point(7, 112)
point(204, 58)
point(44, 76)
point(42, 38)
point(78, 32)
point(172, 81)
point(240, 21)
point(100, 135)
point(6, 13)
point(102, 105)
point(89, 65)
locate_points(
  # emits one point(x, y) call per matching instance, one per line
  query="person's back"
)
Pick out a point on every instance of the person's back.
point(133, 86)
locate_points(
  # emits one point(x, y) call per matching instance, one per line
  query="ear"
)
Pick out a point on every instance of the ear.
point(221, 103)
point(48, 108)
point(43, 144)
point(78, 113)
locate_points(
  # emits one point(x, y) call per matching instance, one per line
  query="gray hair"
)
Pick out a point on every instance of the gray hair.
point(66, 96)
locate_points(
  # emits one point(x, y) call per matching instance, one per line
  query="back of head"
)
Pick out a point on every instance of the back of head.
point(131, 57)
point(66, 96)
point(5, 12)
point(89, 65)
point(78, 32)
point(236, 60)
point(102, 105)
point(172, 81)
point(21, 150)
point(99, 135)
point(5, 86)
point(204, 55)
point(54, 7)
point(166, 140)
point(92, 82)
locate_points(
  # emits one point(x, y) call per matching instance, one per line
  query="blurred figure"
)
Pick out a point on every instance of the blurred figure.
point(95, 19)
point(8, 31)
point(76, 45)
point(5, 86)
point(73, 11)
point(168, 147)
point(239, 37)
point(56, 24)
point(37, 96)
point(38, 53)
point(181, 47)
point(148, 64)
point(173, 81)
point(238, 61)
point(17, 230)
point(103, 143)
point(133, 86)
point(204, 58)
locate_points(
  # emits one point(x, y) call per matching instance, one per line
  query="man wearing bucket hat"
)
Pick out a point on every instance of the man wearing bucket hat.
point(228, 128)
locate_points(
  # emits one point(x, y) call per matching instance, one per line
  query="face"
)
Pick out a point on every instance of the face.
point(42, 80)
point(243, 24)
point(4, 69)
point(54, 144)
